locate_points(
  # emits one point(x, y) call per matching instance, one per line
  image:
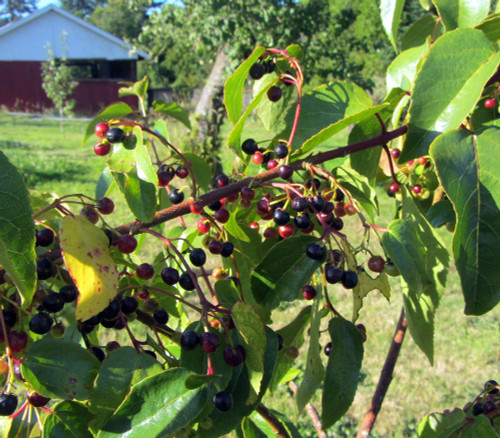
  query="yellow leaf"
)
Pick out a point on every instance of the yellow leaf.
point(86, 254)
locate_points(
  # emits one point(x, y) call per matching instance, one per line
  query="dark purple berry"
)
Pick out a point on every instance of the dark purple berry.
point(43, 268)
point(126, 244)
point(302, 221)
point(299, 204)
point(318, 204)
point(197, 257)
point(44, 237)
point(176, 196)
point(316, 252)
point(115, 135)
point(160, 316)
point(477, 409)
point(186, 282)
point(227, 249)
point(10, 317)
point(222, 401)
point(53, 302)
point(128, 305)
point(249, 146)
point(99, 353)
point(189, 340)
point(285, 172)
point(349, 279)
point(308, 292)
point(69, 293)
point(274, 93)
point(281, 150)
point(257, 71)
point(8, 404)
point(170, 276)
point(333, 275)
point(112, 310)
point(234, 356)
point(145, 271)
point(41, 323)
point(36, 399)
point(209, 342)
point(281, 217)
point(328, 348)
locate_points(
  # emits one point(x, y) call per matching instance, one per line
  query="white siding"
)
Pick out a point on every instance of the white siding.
point(27, 39)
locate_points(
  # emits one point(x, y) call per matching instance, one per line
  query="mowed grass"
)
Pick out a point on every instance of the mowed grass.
point(467, 349)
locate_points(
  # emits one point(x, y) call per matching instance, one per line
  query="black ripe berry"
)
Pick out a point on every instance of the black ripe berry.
point(160, 316)
point(234, 356)
point(176, 197)
point(299, 204)
point(44, 237)
point(115, 135)
point(8, 404)
point(257, 71)
point(53, 302)
point(477, 409)
point(281, 150)
point(336, 223)
point(145, 271)
point(328, 348)
point(186, 282)
point(333, 275)
point(318, 204)
point(308, 292)
point(222, 401)
point(41, 323)
point(281, 217)
point(316, 252)
point(170, 276)
point(69, 293)
point(217, 205)
point(349, 279)
point(302, 221)
point(98, 353)
point(249, 146)
point(197, 257)
point(285, 172)
point(227, 249)
point(274, 94)
point(112, 310)
point(189, 340)
point(43, 268)
point(10, 317)
point(493, 385)
point(128, 305)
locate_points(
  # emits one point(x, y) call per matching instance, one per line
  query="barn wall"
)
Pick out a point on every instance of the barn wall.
point(21, 90)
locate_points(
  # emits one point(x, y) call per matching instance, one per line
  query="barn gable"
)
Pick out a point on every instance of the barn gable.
point(27, 39)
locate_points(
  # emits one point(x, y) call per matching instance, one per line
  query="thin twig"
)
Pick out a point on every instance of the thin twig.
point(271, 419)
point(385, 378)
point(313, 413)
point(253, 181)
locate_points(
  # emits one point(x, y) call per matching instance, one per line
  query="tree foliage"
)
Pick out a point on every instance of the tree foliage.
point(11, 10)
point(200, 353)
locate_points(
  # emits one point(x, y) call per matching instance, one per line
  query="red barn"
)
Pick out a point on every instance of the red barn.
point(100, 59)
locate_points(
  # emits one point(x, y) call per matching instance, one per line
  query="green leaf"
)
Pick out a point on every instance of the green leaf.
point(104, 183)
point(315, 371)
point(365, 285)
point(60, 369)
point(461, 13)
point(17, 427)
point(447, 89)
point(264, 426)
point(327, 110)
point(293, 335)
point(69, 419)
point(157, 406)
point(437, 425)
point(283, 271)
point(418, 32)
point(491, 26)
point(121, 369)
point(17, 231)
point(272, 114)
point(139, 194)
point(234, 138)
point(253, 334)
point(467, 167)
point(295, 51)
point(235, 84)
point(342, 371)
point(366, 162)
point(201, 170)
point(138, 89)
point(480, 428)
point(239, 388)
point(226, 292)
point(115, 111)
point(403, 69)
point(422, 260)
point(172, 109)
point(390, 12)
point(441, 213)
point(251, 430)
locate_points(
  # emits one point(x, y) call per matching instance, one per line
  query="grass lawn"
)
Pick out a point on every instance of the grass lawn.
point(467, 349)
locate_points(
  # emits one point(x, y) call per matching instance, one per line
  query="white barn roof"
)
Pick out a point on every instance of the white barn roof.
point(27, 39)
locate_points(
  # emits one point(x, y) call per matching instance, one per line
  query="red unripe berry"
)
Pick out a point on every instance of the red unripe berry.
point(17, 341)
point(203, 225)
point(258, 158)
point(219, 273)
point(143, 295)
point(286, 230)
point(222, 180)
point(100, 129)
point(247, 193)
point(394, 188)
point(417, 189)
point(308, 292)
point(271, 164)
point(90, 214)
point(196, 207)
point(376, 264)
point(182, 172)
point(105, 206)
point(350, 209)
point(270, 233)
point(489, 103)
point(145, 271)
point(126, 244)
point(254, 225)
point(422, 160)
point(230, 198)
point(339, 209)
point(165, 175)
point(4, 367)
point(102, 148)
point(395, 153)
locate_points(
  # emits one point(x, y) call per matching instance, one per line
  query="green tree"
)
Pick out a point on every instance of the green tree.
point(82, 8)
point(11, 10)
point(58, 83)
